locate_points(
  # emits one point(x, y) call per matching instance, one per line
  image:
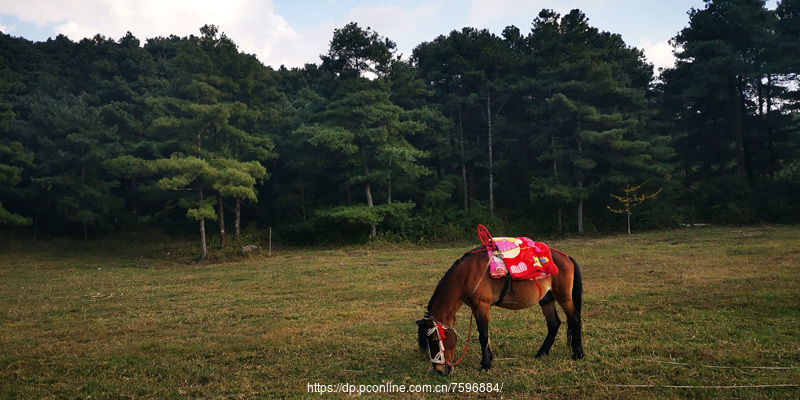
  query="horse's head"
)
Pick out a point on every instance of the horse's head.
point(438, 341)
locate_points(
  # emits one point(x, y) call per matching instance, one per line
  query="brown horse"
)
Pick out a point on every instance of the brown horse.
point(468, 282)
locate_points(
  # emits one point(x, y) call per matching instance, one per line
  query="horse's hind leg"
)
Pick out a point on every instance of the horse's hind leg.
point(573, 328)
point(574, 335)
point(551, 316)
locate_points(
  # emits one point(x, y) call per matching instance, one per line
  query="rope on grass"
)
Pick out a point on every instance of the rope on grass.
point(716, 366)
point(462, 338)
point(648, 386)
point(781, 385)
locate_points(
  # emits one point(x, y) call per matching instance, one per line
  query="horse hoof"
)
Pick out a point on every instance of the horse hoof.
point(485, 367)
point(577, 356)
point(540, 355)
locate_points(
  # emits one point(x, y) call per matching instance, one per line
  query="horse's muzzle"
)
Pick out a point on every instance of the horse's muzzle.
point(446, 370)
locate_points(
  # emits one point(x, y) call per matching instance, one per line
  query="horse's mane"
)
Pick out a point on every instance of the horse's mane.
point(423, 342)
point(444, 278)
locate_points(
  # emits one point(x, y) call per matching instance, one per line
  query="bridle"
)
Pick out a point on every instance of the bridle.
point(439, 329)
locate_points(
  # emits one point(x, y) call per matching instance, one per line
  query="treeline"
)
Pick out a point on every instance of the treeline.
point(532, 132)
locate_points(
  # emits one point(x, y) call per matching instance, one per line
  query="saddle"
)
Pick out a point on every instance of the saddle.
point(520, 257)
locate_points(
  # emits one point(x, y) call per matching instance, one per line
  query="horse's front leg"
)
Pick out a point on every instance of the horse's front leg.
point(482, 320)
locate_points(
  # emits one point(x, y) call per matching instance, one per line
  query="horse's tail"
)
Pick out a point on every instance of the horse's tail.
point(577, 291)
point(577, 285)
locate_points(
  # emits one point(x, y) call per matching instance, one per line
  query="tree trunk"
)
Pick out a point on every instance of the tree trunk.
point(303, 199)
point(558, 216)
point(471, 183)
point(770, 156)
point(629, 222)
point(238, 217)
point(203, 247)
point(373, 231)
point(738, 133)
point(463, 161)
point(134, 196)
point(221, 219)
point(491, 176)
point(85, 229)
point(555, 173)
point(373, 228)
point(389, 184)
point(580, 208)
point(761, 134)
point(580, 186)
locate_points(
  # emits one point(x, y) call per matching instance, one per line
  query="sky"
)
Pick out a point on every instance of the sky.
point(295, 32)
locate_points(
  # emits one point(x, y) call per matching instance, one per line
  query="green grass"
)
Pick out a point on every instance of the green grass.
point(125, 319)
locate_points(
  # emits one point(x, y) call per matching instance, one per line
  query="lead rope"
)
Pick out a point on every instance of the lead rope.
point(481, 280)
point(488, 243)
point(469, 336)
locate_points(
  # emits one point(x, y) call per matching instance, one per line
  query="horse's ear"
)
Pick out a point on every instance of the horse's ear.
point(420, 322)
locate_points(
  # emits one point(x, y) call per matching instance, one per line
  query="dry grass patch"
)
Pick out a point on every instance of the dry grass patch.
point(664, 309)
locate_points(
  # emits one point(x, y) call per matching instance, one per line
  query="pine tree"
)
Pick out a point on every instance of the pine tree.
point(13, 156)
point(361, 125)
point(198, 129)
point(592, 110)
point(69, 158)
point(718, 66)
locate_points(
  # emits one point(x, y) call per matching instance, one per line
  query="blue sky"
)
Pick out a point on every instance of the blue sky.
point(294, 32)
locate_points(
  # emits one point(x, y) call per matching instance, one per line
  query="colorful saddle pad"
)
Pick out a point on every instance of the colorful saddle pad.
point(522, 257)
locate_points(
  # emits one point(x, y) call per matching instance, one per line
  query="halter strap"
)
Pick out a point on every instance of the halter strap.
point(436, 322)
point(440, 328)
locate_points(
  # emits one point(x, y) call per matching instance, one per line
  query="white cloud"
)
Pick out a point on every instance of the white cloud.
point(485, 12)
point(659, 53)
point(411, 25)
point(286, 46)
point(38, 12)
point(256, 27)
point(251, 24)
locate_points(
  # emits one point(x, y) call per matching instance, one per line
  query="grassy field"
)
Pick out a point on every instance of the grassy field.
point(694, 313)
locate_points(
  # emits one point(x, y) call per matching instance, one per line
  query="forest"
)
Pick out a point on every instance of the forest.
point(556, 129)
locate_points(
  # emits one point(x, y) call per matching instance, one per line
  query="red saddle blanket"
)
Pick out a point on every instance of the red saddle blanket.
point(522, 257)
